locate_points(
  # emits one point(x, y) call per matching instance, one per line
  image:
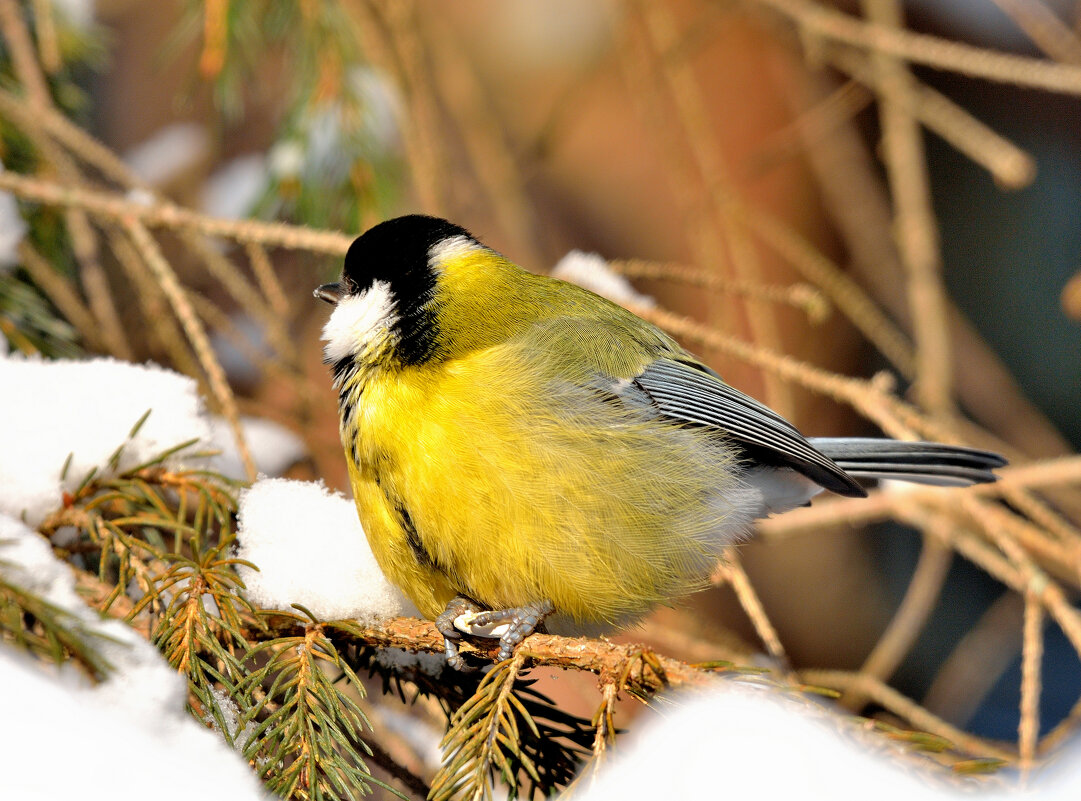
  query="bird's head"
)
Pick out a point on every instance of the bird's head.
point(386, 300)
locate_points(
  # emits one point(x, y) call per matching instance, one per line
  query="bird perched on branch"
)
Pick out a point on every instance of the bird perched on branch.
point(521, 449)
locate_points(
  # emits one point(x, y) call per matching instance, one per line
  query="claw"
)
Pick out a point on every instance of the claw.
point(523, 621)
point(445, 623)
point(517, 623)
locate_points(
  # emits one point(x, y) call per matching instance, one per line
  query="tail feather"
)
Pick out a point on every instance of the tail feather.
point(917, 462)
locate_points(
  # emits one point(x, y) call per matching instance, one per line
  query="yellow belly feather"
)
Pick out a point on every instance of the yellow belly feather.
point(536, 488)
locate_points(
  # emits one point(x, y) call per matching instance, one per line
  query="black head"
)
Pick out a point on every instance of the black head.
point(396, 252)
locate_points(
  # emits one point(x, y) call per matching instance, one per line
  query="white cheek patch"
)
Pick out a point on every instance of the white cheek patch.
point(358, 322)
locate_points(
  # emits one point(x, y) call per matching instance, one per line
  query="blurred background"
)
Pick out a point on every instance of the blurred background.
point(812, 192)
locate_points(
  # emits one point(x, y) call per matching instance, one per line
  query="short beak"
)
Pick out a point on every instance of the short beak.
point(331, 293)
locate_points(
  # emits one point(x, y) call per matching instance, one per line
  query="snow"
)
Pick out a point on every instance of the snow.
point(328, 138)
point(13, 230)
point(87, 409)
point(240, 350)
point(233, 190)
point(400, 660)
point(230, 712)
point(169, 152)
point(286, 159)
point(50, 409)
point(591, 271)
point(140, 197)
point(751, 739)
point(311, 550)
point(139, 709)
point(79, 13)
point(273, 447)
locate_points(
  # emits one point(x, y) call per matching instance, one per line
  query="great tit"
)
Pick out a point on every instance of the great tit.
point(522, 450)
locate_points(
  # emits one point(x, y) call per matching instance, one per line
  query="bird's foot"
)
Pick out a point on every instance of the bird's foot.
point(510, 625)
point(520, 623)
point(445, 623)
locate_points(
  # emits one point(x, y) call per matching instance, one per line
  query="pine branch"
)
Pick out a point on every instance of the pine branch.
point(47, 631)
point(308, 735)
point(554, 741)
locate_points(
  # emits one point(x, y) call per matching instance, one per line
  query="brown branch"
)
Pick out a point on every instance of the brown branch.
point(915, 227)
point(805, 297)
point(169, 215)
point(1010, 166)
point(857, 203)
point(23, 56)
point(977, 662)
point(1044, 28)
point(1028, 730)
point(60, 292)
point(196, 334)
point(908, 709)
point(909, 619)
point(931, 51)
point(712, 174)
point(731, 570)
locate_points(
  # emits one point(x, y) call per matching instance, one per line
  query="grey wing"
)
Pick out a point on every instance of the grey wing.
point(691, 393)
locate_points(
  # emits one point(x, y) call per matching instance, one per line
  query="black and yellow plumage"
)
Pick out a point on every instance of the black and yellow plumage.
point(518, 443)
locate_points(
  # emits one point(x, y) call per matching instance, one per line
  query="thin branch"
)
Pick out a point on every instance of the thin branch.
point(908, 621)
point(805, 297)
point(398, 50)
point(169, 215)
point(930, 51)
point(196, 334)
point(48, 43)
point(713, 174)
point(23, 56)
point(814, 124)
point(915, 227)
point(268, 279)
point(484, 137)
point(908, 709)
point(1044, 28)
point(853, 193)
point(1028, 730)
point(75, 139)
point(1010, 166)
point(164, 332)
point(977, 663)
point(731, 570)
point(60, 292)
point(839, 287)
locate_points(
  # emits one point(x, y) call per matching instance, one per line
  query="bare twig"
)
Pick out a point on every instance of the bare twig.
point(1044, 28)
point(930, 51)
point(805, 297)
point(908, 709)
point(193, 328)
point(1031, 659)
point(731, 570)
point(978, 661)
point(853, 193)
point(170, 215)
point(713, 175)
point(23, 57)
point(1010, 165)
point(915, 227)
point(58, 290)
point(908, 621)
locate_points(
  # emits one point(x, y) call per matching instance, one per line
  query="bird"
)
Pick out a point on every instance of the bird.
point(526, 454)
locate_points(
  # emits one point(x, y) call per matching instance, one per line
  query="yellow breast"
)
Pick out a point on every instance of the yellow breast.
point(497, 476)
